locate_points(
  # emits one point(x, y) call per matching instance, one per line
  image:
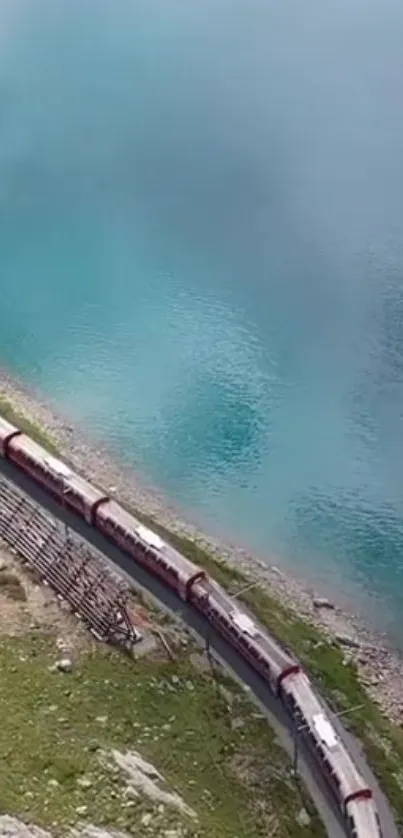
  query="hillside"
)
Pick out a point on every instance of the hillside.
point(148, 746)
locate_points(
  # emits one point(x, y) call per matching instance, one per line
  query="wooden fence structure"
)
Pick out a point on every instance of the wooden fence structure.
point(75, 571)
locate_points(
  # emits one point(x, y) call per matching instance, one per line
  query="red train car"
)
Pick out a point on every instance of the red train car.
point(341, 773)
point(147, 548)
point(254, 644)
point(53, 475)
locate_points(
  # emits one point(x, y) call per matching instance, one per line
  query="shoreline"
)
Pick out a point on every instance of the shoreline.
point(379, 665)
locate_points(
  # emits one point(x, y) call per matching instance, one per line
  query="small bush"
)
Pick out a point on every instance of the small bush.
point(11, 586)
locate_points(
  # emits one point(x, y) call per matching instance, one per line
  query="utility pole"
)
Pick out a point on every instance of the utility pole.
point(297, 729)
point(245, 589)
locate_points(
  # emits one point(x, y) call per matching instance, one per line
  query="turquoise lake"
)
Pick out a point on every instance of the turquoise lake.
point(201, 250)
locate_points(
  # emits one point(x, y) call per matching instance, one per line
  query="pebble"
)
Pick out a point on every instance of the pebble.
point(146, 819)
point(84, 783)
point(323, 602)
point(81, 810)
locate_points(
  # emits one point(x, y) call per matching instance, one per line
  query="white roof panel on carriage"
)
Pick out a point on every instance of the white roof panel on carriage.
point(150, 537)
point(244, 623)
point(325, 730)
point(80, 484)
point(124, 518)
point(57, 466)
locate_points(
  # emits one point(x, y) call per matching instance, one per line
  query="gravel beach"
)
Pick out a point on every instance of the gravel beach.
point(380, 666)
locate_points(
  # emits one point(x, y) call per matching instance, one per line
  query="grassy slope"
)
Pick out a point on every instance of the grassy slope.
point(55, 727)
point(382, 741)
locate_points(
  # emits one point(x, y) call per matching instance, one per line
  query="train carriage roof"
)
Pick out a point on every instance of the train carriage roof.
point(365, 819)
point(132, 525)
point(248, 626)
point(321, 725)
point(69, 479)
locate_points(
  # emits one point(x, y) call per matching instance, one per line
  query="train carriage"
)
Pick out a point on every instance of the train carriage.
point(315, 728)
point(238, 627)
point(362, 819)
point(147, 548)
point(72, 490)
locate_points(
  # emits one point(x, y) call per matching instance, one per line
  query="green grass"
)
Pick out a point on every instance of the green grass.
point(225, 763)
point(8, 411)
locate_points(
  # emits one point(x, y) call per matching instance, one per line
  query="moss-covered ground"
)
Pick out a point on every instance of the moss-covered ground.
point(204, 737)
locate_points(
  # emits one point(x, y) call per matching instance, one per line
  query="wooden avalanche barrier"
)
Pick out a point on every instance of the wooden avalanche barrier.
point(76, 572)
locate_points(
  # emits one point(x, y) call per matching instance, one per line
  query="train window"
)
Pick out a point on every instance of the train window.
point(140, 546)
point(378, 824)
point(71, 492)
point(351, 826)
point(334, 776)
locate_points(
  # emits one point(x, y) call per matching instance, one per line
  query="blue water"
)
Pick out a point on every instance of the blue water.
point(201, 250)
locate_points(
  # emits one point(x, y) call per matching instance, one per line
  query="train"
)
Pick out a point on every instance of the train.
point(274, 664)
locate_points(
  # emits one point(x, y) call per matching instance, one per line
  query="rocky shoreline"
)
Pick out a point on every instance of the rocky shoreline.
point(380, 667)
